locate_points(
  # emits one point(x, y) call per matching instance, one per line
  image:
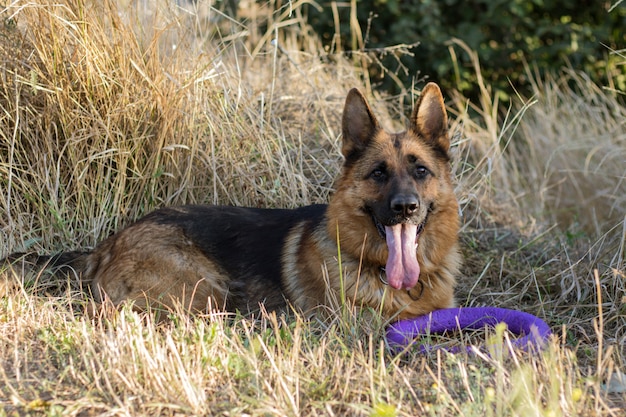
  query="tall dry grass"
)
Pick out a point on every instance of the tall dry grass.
point(116, 115)
point(110, 109)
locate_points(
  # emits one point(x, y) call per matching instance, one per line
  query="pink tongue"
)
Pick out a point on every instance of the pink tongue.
point(402, 268)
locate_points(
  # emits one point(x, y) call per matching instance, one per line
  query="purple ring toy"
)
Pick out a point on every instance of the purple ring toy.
point(533, 331)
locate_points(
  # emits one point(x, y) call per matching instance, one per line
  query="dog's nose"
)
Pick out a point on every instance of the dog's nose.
point(404, 205)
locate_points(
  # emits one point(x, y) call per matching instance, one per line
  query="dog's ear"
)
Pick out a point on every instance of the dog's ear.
point(358, 125)
point(429, 119)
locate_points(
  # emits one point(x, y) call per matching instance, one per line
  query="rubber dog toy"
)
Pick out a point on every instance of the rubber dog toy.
point(532, 330)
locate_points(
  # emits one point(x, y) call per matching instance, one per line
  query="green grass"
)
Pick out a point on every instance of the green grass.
point(110, 109)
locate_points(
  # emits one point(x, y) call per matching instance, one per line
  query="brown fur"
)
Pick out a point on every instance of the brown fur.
point(235, 258)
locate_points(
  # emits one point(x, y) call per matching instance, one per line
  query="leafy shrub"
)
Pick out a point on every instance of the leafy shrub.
point(506, 34)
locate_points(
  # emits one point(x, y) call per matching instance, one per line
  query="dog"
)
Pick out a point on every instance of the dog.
point(386, 241)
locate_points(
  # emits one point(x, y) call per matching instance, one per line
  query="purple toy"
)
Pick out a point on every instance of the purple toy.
point(533, 331)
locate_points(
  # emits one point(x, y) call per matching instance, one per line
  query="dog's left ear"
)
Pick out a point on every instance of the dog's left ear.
point(429, 119)
point(358, 126)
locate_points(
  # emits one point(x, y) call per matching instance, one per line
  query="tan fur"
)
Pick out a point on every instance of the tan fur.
point(149, 265)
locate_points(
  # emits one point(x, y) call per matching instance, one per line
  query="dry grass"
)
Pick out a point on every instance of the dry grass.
point(110, 109)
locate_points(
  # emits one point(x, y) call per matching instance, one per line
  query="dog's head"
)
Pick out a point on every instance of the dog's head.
point(395, 184)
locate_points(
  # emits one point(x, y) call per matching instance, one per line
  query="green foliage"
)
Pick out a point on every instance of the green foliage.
point(506, 34)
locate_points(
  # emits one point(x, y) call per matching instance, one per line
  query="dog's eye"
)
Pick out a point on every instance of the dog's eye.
point(379, 174)
point(421, 172)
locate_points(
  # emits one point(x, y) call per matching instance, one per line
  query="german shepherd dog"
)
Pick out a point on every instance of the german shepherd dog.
point(386, 241)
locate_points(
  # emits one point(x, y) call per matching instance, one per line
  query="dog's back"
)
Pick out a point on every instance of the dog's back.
point(200, 256)
point(231, 255)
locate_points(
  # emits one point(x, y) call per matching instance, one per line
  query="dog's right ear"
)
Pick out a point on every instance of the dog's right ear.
point(358, 125)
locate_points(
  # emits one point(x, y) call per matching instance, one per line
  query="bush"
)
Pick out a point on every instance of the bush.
point(506, 34)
